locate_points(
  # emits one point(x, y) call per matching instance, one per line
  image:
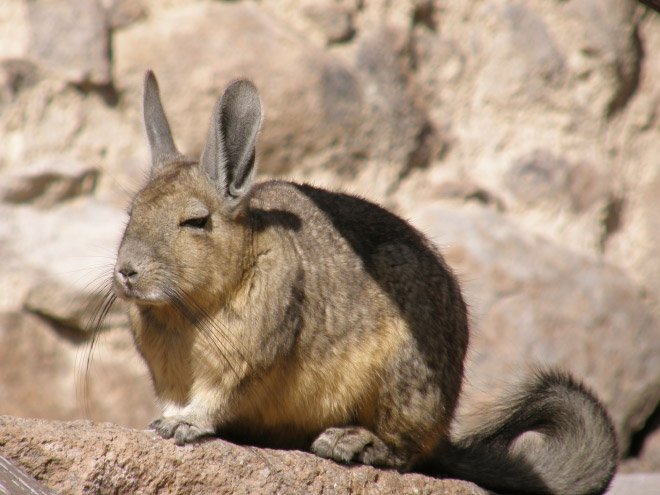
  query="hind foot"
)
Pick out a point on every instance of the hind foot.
point(355, 444)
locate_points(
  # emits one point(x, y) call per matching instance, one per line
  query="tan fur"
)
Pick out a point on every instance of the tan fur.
point(293, 316)
point(312, 395)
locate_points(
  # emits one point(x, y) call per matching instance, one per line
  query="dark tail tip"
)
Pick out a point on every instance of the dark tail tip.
point(552, 436)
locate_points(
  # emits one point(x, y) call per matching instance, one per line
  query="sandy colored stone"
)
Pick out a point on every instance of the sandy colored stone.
point(48, 372)
point(83, 457)
point(634, 484)
point(321, 111)
point(71, 244)
point(547, 113)
point(49, 182)
point(534, 304)
point(71, 39)
point(334, 19)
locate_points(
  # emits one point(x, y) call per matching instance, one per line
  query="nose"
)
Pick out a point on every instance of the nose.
point(127, 274)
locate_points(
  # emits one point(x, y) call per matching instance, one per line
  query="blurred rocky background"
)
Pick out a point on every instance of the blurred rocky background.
point(523, 136)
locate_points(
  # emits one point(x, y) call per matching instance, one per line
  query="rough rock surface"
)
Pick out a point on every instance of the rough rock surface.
point(323, 112)
point(83, 457)
point(522, 135)
point(534, 304)
point(44, 373)
point(634, 484)
point(71, 39)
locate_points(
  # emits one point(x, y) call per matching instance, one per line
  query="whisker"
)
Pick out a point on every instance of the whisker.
point(201, 321)
point(95, 324)
point(214, 325)
point(127, 191)
point(219, 339)
point(98, 284)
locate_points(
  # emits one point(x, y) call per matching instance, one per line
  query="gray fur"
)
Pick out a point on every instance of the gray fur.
point(229, 155)
point(292, 316)
point(552, 437)
point(161, 143)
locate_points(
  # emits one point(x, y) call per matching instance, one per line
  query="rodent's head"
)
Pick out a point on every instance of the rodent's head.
point(187, 235)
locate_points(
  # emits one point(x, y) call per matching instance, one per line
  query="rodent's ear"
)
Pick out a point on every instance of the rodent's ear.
point(163, 150)
point(229, 155)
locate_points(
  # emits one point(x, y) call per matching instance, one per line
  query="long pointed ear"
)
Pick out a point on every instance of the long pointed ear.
point(163, 149)
point(230, 150)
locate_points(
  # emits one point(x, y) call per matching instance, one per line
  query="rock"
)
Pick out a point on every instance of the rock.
point(44, 118)
point(463, 191)
point(648, 458)
point(541, 176)
point(523, 57)
point(45, 373)
point(14, 33)
point(48, 182)
point(439, 62)
point(378, 57)
point(537, 176)
point(632, 240)
point(400, 15)
point(536, 304)
point(334, 19)
point(634, 484)
point(83, 457)
point(607, 52)
point(71, 308)
point(532, 51)
point(321, 112)
point(70, 247)
point(123, 13)
point(15, 76)
point(506, 79)
point(71, 39)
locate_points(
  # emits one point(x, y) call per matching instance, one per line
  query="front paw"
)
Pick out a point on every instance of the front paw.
point(183, 430)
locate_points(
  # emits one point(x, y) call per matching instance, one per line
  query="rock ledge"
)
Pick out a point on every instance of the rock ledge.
point(86, 457)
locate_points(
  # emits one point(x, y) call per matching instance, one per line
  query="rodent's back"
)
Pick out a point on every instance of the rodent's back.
point(373, 283)
point(339, 235)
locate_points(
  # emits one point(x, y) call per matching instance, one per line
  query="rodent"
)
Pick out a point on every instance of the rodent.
point(292, 316)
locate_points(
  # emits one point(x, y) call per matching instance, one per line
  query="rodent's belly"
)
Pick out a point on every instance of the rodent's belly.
point(313, 393)
point(306, 400)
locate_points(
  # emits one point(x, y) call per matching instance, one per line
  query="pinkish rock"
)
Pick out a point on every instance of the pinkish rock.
point(83, 457)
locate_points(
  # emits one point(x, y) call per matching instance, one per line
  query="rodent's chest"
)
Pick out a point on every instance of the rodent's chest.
point(177, 352)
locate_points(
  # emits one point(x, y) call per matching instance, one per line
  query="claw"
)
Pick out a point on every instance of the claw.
point(182, 429)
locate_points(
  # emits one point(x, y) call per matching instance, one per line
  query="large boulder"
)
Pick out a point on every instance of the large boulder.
point(541, 97)
point(534, 304)
point(322, 112)
point(544, 112)
point(69, 246)
point(58, 358)
point(83, 457)
point(49, 371)
point(71, 39)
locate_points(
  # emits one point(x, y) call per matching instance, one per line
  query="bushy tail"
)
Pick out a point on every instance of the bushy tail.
point(553, 437)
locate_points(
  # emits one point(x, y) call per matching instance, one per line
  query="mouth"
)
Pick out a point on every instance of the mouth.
point(130, 293)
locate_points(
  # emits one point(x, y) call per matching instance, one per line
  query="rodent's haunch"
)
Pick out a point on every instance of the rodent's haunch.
point(287, 315)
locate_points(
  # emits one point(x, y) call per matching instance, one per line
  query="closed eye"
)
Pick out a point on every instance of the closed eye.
point(196, 222)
